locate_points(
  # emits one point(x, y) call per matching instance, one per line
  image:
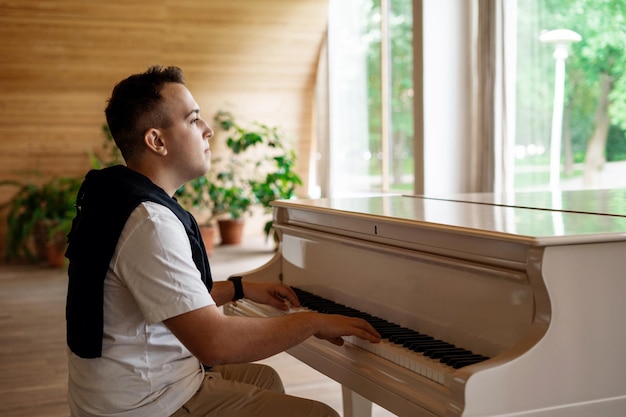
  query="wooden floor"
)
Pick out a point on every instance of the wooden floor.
point(33, 367)
point(32, 342)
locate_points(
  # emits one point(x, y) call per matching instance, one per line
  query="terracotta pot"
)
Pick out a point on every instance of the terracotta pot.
point(231, 231)
point(40, 240)
point(55, 250)
point(208, 233)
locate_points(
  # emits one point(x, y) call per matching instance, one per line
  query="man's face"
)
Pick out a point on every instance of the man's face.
point(187, 137)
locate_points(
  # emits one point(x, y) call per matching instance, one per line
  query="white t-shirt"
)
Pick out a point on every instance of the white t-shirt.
point(144, 369)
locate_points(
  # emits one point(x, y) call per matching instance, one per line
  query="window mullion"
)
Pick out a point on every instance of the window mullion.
point(385, 77)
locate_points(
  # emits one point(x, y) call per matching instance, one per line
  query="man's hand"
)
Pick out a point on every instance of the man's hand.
point(335, 326)
point(277, 295)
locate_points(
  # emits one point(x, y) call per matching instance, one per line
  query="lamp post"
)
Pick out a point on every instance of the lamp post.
point(561, 38)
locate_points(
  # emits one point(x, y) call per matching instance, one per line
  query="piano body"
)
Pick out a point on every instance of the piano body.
point(535, 285)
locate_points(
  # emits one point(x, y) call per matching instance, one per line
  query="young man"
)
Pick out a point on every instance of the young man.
point(145, 335)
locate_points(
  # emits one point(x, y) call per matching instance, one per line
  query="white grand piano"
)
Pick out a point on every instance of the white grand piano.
point(527, 292)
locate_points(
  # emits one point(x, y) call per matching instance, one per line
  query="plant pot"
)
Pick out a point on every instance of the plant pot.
point(41, 230)
point(231, 231)
point(208, 233)
point(55, 250)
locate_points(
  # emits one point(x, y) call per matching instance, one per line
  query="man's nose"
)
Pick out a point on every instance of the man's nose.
point(208, 132)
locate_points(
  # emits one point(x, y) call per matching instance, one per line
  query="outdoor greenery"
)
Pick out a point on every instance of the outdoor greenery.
point(595, 87)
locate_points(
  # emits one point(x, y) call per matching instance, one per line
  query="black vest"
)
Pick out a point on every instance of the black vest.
point(105, 200)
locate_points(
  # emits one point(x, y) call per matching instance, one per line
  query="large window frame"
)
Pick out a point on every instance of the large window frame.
point(465, 71)
point(362, 130)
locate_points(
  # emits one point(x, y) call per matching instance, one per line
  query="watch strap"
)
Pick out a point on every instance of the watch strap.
point(238, 287)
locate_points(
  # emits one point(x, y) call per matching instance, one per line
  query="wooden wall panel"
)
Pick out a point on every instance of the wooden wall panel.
point(59, 60)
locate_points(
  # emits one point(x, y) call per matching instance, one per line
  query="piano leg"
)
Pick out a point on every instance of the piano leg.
point(354, 405)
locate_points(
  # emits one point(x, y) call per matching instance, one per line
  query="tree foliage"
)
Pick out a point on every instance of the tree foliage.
point(599, 54)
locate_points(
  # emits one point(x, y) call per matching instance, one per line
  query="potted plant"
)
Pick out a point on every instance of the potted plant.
point(39, 219)
point(268, 171)
point(231, 196)
point(220, 200)
point(194, 196)
point(277, 185)
point(256, 168)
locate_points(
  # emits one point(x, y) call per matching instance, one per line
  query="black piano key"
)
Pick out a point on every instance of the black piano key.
point(384, 324)
point(376, 321)
point(468, 362)
point(410, 343)
point(455, 354)
point(440, 353)
point(388, 332)
point(446, 352)
point(435, 352)
point(400, 336)
point(385, 331)
point(452, 359)
point(422, 345)
point(406, 340)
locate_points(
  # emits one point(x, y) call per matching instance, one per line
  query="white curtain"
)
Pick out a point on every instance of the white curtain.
point(493, 95)
point(319, 157)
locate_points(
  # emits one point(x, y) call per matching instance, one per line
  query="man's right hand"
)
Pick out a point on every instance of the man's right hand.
point(335, 326)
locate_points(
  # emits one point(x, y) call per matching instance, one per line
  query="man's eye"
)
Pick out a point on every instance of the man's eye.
point(195, 120)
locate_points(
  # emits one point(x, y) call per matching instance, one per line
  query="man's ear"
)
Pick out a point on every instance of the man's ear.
point(154, 141)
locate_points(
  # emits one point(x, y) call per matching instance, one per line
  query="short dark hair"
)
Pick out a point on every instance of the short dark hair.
point(136, 105)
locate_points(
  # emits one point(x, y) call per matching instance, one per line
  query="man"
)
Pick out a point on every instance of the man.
point(145, 335)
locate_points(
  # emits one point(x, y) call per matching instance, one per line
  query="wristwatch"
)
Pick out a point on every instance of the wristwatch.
point(238, 287)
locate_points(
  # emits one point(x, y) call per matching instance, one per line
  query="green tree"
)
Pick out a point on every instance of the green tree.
point(593, 125)
point(596, 70)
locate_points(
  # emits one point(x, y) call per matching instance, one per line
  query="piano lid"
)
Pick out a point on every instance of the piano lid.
point(578, 217)
point(609, 202)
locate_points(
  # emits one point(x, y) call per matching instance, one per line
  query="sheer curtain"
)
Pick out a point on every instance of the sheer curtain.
point(319, 160)
point(493, 24)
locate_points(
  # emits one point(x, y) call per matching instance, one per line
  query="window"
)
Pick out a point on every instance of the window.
point(571, 91)
point(370, 69)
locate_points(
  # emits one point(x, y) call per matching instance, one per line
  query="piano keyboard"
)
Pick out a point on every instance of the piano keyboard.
point(431, 358)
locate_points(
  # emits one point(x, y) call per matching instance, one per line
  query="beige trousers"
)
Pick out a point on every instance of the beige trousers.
point(248, 390)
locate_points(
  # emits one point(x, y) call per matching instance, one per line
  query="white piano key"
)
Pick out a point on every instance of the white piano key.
point(413, 361)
